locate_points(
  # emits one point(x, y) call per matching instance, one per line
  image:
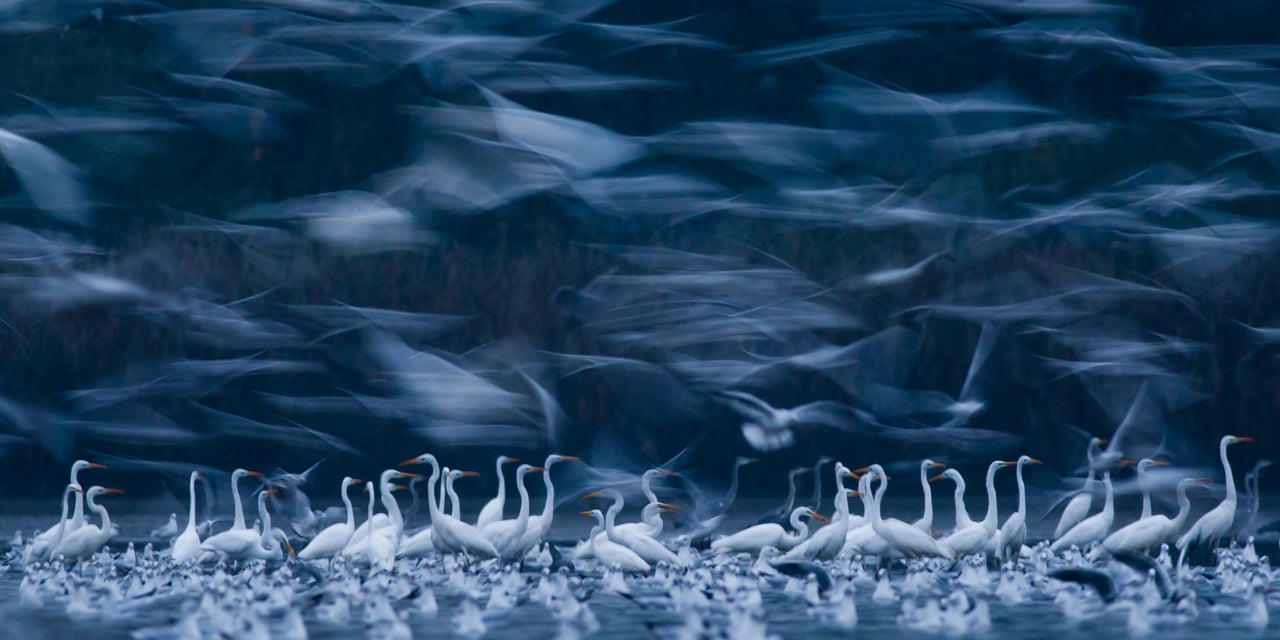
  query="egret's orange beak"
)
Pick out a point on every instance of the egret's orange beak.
point(1244, 439)
point(584, 513)
point(533, 469)
point(937, 477)
point(269, 492)
point(937, 465)
point(669, 474)
point(253, 474)
point(398, 487)
point(1162, 463)
point(94, 465)
point(402, 474)
point(817, 516)
point(1202, 480)
point(77, 489)
point(470, 474)
point(1103, 440)
point(1009, 463)
point(510, 459)
point(288, 547)
point(118, 492)
point(356, 481)
point(409, 462)
point(593, 494)
point(861, 470)
point(568, 458)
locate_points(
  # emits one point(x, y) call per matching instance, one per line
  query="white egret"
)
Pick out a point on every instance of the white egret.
point(1143, 465)
point(1092, 529)
point(448, 534)
point(540, 524)
point(333, 538)
point(1150, 532)
point(42, 546)
point(506, 534)
point(237, 543)
point(754, 539)
point(925, 523)
point(644, 546)
point(968, 537)
point(1014, 530)
point(1078, 507)
point(609, 553)
point(88, 539)
point(1215, 523)
point(902, 537)
point(493, 509)
point(186, 546)
point(827, 542)
point(392, 520)
point(46, 540)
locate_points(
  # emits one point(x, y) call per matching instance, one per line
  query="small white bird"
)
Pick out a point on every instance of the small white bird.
point(333, 538)
point(767, 428)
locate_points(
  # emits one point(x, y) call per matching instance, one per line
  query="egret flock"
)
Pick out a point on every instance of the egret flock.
point(260, 581)
point(671, 260)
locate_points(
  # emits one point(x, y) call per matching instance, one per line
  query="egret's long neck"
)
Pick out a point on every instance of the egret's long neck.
point(371, 505)
point(733, 487)
point(77, 517)
point(346, 500)
point(235, 498)
point(393, 507)
point(62, 522)
point(962, 513)
point(1184, 508)
point(263, 514)
point(1146, 495)
point(612, 515)
point(928, 495)
point(652, 517)
point(549, 504)
point(842, 499)
point(993, 516)
point(523, 517)
point(1226, 470)
point(875, 501)
point(1109, 507)
point(191, 510)
point(801, 528)
point(502, 484)
point(646, 489)
point(456, 506)
point(791, 494)
point(444, 495)
point(1022, 491)
point(817, 487)
point(102, 513)
point(432, 506)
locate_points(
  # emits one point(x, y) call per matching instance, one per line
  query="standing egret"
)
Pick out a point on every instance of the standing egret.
point(493, 509)
point(186, 546)
point(1077, 508)
point(1143, 465)
point(754, 539)
point(644, 546)
point(540, 524)
point(1150, 532)
point(450, 535)
point(827, 542)
point(968, 537)
point(902, 537)
point(333, 538)
point(88, 539)
point(506, 534)
point(609, 553)
point(1091, 529)
point(237, 543)
point(45, 541)
point(41, 548)
point(1014, 531)
point(1217, 521)
point(925, 523)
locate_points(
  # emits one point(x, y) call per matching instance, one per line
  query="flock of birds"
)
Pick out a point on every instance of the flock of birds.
point(235, 234)
point(392, 572)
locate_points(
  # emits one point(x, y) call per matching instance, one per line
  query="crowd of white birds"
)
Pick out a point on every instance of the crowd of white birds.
point(249, 582)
